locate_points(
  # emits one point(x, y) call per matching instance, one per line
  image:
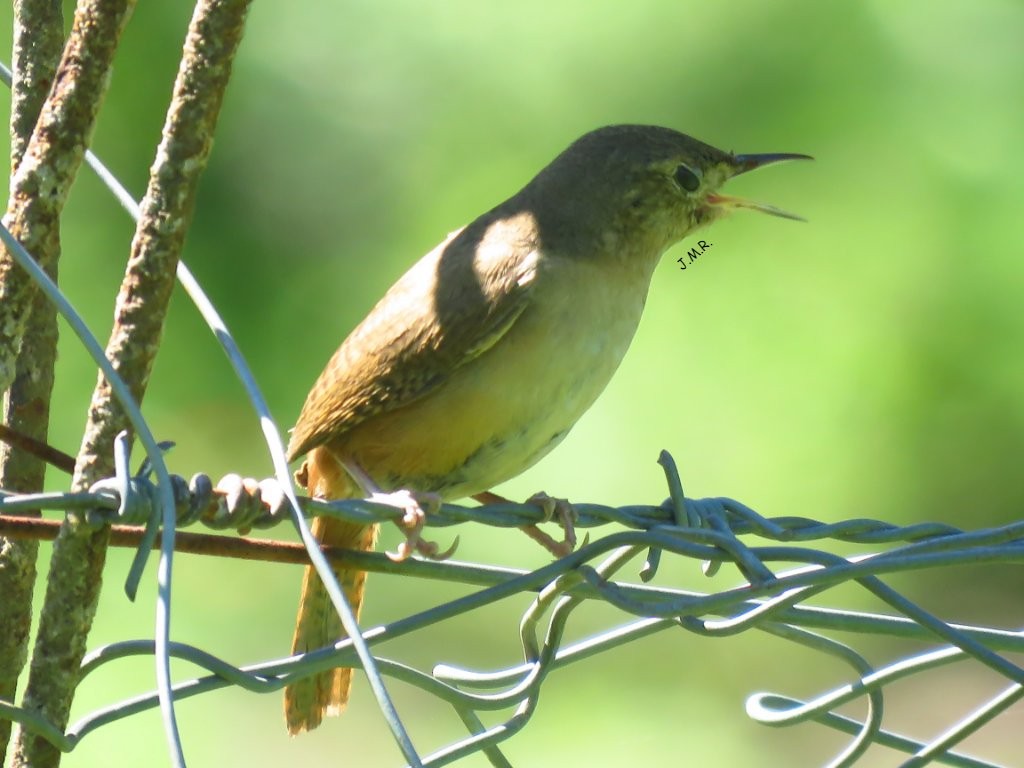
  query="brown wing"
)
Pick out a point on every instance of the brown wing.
point(452, 305)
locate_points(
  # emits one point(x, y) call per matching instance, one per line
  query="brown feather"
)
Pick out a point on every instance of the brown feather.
point(406, 347)
point(317, 625)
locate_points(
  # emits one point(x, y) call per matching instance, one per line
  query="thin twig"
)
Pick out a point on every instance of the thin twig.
point(39, 449)
point(236, 547)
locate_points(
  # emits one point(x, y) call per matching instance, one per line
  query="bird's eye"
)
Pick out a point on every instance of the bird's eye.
point(687, 179)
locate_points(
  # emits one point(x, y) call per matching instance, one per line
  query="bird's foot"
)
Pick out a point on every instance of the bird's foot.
point(552, 508)
point(416, 507)
point(566, 515)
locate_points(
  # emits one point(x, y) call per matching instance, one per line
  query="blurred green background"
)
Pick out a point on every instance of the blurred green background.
point(867, 363)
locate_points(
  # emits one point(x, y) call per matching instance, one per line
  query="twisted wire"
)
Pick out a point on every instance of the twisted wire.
point(769, 600)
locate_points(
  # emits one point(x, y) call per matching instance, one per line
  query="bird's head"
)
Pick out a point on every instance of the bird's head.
point(635, 190)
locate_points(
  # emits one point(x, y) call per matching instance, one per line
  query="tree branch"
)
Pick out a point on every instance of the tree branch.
point(73, 582)
point(38, 43)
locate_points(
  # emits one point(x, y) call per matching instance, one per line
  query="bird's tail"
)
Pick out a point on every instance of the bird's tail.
point(307, 701)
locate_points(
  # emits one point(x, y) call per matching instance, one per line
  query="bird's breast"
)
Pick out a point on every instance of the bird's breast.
point(503, 410)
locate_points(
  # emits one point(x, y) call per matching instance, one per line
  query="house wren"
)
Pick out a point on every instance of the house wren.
point(482, 357)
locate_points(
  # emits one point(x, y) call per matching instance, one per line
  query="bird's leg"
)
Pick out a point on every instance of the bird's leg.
point(415, 506)
point(552, 507)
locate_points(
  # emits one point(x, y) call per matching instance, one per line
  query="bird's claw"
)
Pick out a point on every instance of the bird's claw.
point(566, 515)
point(416, 507)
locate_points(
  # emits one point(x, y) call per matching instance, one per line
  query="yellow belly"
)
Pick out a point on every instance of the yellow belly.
point(501, 412)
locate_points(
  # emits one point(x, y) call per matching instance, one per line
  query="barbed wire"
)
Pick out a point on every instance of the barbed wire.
point(768, 601)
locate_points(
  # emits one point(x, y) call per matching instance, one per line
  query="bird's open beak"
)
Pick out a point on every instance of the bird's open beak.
point(744, 163)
